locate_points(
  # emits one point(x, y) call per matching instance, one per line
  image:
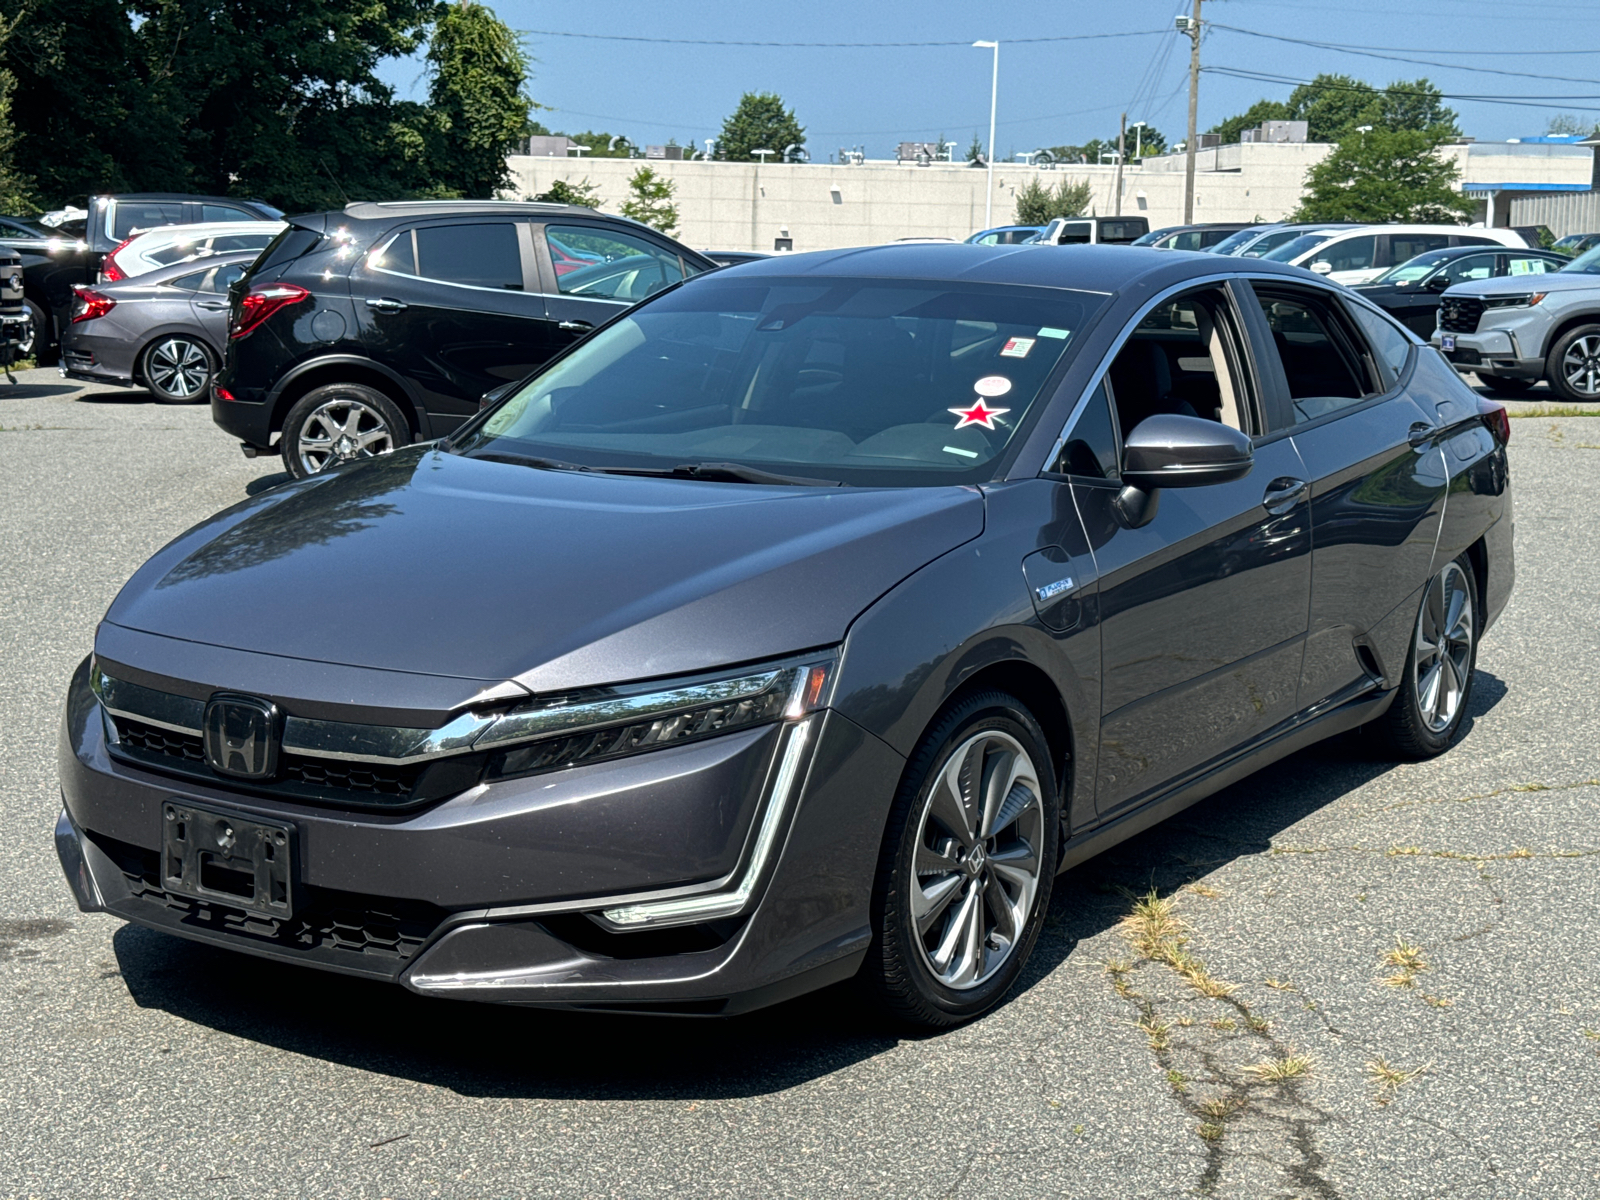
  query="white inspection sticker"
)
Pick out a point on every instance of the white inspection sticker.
point(992, 386)
point(1016, 347)
point(960, 451)
point(1055, 333)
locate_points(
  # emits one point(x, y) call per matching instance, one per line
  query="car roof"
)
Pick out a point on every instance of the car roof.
point(171, 196)
point(376, 210)
point(207, 228)
point(1097, 268)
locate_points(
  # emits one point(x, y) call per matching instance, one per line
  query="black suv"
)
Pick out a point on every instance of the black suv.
point(359, 331)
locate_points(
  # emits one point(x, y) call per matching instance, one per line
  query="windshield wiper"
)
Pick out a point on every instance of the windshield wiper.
point(530, 460)
point(723, 472)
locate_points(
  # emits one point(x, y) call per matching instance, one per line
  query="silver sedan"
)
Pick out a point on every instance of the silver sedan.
point(165, 330)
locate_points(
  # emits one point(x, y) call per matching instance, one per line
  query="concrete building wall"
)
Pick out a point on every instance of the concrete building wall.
point(823, 206)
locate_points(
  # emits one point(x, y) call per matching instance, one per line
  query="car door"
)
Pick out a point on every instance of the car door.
point(453, 306)
point(1334, 371)
point(1347, 260)
point(210, 302)
point(1203, 609)
point(592, 272)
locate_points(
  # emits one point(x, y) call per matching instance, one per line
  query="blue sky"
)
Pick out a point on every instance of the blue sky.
point(1050, 93)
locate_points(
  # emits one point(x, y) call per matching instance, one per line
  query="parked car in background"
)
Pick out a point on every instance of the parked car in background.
point(165, 329)
point(114, 218)
point(1190, 237)
point(179, 243)
point(802, 624)
point(52, 261)
point(1005, 235)
point(359, 331)
point(734, 258)
point(16, 328)
point(1575, 244)
point(1073, 231)
point(1360, 254)
point(1514, 331)
point(1410, 292)
point(1256, 241)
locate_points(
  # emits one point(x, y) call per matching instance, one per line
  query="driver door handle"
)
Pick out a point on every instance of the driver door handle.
point(211, 305)
point(385, 304)
point(575, 326)
point(1283, 494)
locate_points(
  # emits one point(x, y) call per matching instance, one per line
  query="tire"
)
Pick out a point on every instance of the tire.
point(1573, 366)
point(318, 432)
point(38, 337)
point(1425, 717)
point(952, 926)
point(1502, 386)
point(178, 369)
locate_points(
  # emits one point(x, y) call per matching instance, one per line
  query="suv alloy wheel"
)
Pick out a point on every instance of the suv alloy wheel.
point(340, 422)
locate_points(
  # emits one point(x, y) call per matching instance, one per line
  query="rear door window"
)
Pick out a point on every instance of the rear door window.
point(607, 265)
point(1321, 363)
point(225, 212)
point(1518, 264)
point(224, 276)
point(1403, 247)
point(128, 215)
point(481, 254)
point(1351, 254)
point(230, 242)
point(1468, 267)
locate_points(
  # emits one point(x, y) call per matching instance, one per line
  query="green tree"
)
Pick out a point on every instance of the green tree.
point(604, 145)
point(1333, 106)
point(1571, 125)
point(564, 191)
point(1385, 175)
point(1262, 110)
point(1037, 204)
point(759, 123)
point(975, 151)
point(650, 200)
point(16, 191)
point(476, 104)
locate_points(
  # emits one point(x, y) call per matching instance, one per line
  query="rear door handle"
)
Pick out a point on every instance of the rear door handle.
point(1421, 433)
point(211, 305)
point(385, 304)
point(1283, 494)
point(575, 326)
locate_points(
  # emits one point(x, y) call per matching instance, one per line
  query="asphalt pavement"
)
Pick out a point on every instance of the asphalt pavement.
point(1384, 984)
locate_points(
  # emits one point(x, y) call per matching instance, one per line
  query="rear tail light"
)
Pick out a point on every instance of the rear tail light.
point(88, 304)
point(1496, 418)
point(260, 302)
point(109, 271)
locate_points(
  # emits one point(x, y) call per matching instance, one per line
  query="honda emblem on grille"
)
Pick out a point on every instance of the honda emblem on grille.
point(241, 736)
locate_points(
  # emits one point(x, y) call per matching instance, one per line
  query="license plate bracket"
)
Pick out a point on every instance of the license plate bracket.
point(241, 862)
point(1446, 342)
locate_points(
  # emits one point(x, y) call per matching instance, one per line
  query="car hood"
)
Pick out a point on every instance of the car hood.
point(1520, 285)
point(426, 562)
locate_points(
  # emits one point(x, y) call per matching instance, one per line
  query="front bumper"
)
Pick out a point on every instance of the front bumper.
point(485, 895)
point(1511, 348)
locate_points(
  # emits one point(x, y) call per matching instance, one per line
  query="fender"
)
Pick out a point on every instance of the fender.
point(402, 389)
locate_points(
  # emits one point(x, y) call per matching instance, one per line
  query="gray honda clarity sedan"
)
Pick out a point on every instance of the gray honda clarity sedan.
point(800, 624)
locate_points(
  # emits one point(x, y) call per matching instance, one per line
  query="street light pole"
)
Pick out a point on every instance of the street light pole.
point(994, 96)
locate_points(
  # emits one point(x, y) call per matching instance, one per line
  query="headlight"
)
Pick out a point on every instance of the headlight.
point(611, 723)
point(1522, 301)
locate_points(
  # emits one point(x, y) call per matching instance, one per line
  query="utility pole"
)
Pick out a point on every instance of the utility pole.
point(994, 98)
point(1191, 26)
point(1122, 145)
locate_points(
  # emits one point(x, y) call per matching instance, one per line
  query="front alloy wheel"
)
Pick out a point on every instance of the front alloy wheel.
point(967, 864)
point(178, 371)
point(1573, 368)
point(1426, 715)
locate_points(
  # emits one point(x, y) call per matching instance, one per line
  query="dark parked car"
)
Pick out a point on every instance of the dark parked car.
point(52, 263)
point(800, 624)
point(1410, 292)
point(359, 331)
point(734, 258)
point(1192, 237)
point(113, 219)
point(164, 330)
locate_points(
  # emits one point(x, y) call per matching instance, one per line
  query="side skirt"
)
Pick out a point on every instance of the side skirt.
point(1346, 716)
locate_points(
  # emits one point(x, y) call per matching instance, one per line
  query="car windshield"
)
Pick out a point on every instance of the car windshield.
point(873, 382)
point(1292, 250)
point(1587, 263)
point(1234, 242)
point(1414, 269)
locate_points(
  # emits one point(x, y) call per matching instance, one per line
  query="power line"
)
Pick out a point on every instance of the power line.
point(1473, 98)
point(1374, 53)
point(617, 37)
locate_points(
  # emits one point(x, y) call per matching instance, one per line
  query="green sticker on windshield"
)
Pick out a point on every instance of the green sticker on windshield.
point(1055, 333)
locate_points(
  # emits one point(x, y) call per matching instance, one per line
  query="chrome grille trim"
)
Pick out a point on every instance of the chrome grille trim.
point(179, 714)
point(392, 745)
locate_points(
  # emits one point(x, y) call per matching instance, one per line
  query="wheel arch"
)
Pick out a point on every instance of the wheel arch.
point(1566, 325)
point(1038, 692)
point(344, 369)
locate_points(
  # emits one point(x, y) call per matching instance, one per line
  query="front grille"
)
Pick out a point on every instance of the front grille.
point(389, 931)
point(1459, 314)
point(300, 777)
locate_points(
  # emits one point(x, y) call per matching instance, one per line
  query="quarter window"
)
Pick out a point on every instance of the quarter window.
point(483, 254)
point(187, 283)
point(1403, 247)
point(605, 265)
point(1390, 347)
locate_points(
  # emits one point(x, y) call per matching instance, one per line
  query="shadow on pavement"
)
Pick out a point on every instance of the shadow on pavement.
point(120, 396)
point(488, 1050)
point(265, 482)
point(23, 390)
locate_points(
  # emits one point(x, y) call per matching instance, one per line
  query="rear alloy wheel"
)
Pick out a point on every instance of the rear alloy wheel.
point(1573, 367)
point(177, 370)
point(967, 865)
point(340, 423)
point(1427, 714)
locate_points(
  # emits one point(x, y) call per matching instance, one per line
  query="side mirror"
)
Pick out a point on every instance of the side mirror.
point(1322, 267)
point(1437, 283)
point(1169, 450)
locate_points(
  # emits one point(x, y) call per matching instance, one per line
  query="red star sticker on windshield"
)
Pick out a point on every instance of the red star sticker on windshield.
point(979, 414)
